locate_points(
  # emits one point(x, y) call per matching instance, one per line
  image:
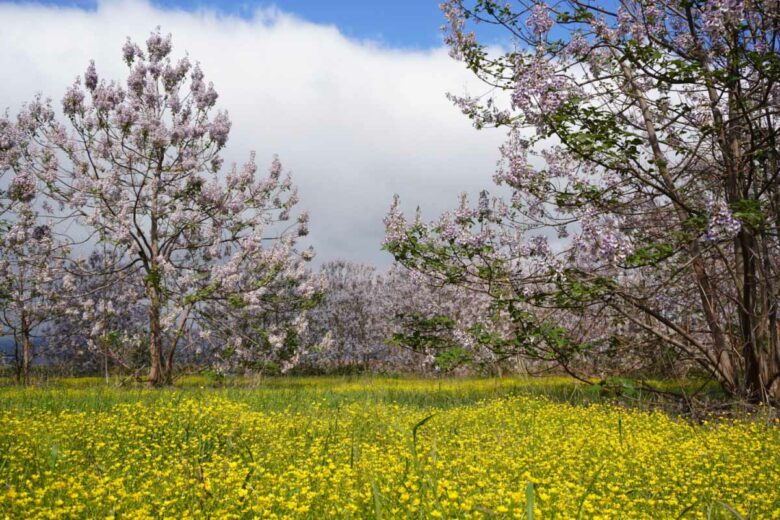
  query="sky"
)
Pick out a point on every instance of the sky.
point(350, 95)
point(399, 23)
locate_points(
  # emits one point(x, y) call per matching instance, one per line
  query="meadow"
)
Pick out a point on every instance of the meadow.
point(373, 448)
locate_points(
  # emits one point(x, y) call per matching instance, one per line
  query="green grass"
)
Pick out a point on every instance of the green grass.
point(275, 393)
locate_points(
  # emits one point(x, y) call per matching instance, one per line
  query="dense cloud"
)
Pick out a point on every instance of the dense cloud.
point(356, 122)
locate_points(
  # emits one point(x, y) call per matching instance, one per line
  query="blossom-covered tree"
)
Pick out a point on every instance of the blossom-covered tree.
point(17, 187)
point(8, 145)
point(443, 327)
point(139, 165)
point(262, 329)
point(643, 169)
point(32, 262)
point(401, 320)
point(350, 326)
point(103, 322)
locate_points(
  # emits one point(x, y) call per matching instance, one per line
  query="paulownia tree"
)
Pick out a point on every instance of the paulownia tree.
point(139, 166)
point(444, 326)
point(32, 263)
point(402, 320)
point(263, 329)
point(350, 325)
point(643, 167)
point(103, 322)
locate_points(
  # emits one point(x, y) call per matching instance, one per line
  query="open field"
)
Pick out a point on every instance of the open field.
point(372, 448)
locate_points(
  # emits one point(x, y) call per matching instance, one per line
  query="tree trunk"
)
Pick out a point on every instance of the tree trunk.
point(773, 363)
point(26, 358)
point(758, 321)
point(722, 361)
point(159, 373)
point(17, 361)
point(105, 360)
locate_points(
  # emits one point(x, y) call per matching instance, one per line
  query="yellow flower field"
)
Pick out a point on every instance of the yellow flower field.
point(373, 448)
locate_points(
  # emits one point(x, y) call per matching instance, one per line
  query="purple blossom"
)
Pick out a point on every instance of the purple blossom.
point(136, 80)
point(205, 98)
point(107, 97)
point(219, 129)
point(22, 187)
point(539, 20)
point(158, 46)
point(721, 223)
point(578, 45)
point(539, 90)
point(90, 76)
point(718, 15)
point(131, 51)
point(73, 101)
point(602, 238)
point(308, 254)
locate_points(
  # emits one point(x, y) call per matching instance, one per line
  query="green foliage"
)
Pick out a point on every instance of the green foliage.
point(750, 212)
point(593, 132)
point(432, 335)
point(618, 387)
point(315, 300)
point(452, 358)
point(579, 14)
point(214, 377)
point(574, 289)
point(422, 333)
point(267, 368)
point(153, 277)
point(236, 301)
point(201, 294)
point(649, 255)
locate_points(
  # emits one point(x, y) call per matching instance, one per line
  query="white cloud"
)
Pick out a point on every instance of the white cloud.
point(354, 121)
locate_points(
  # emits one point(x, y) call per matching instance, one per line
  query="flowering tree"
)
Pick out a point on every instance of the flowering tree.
point(402, 320)
point(31, 268)
point(139, 165)
point(350, 325)
point(8, 145)
point(263, 329)
point(441, 327)
point(103, 321)
point(17, 187)
point(643, 167)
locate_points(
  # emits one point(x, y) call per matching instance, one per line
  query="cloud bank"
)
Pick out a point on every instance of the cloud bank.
point(354, 121)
